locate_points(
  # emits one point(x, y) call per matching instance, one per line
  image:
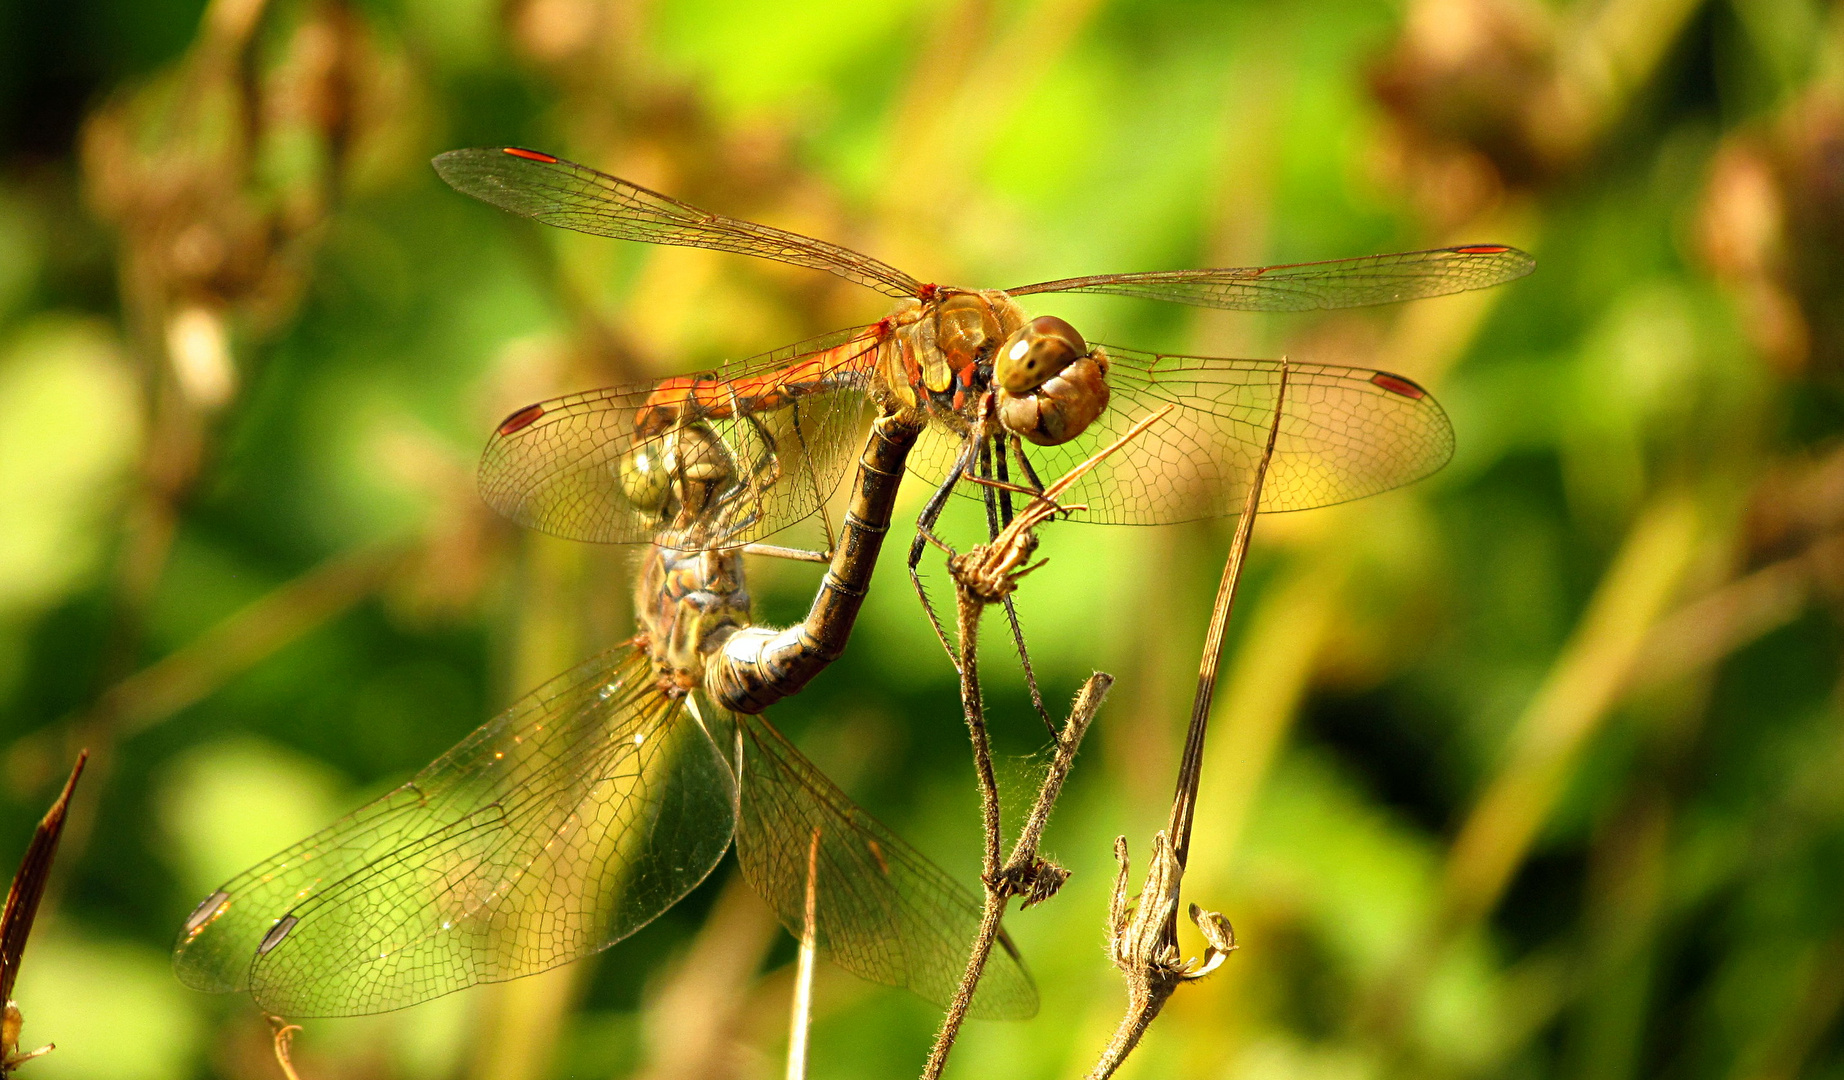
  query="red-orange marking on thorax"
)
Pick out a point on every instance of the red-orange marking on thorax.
point(530, 155)
point(1396, 384)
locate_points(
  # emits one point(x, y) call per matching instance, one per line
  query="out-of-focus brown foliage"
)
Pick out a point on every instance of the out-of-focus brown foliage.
point(219, 174)
point(1772, 224)
point(1466, 84)
point(1498, 97)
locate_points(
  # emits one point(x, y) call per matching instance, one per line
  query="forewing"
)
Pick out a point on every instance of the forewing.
point(553, 831)
point(571, 196)
point(881, 909)
point(555, 466)
point(1339, 283)
point(1345, 433)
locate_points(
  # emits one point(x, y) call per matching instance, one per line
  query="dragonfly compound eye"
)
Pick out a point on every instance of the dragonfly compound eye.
point(1063, 406)
point(1036, 352)
point(646, 478)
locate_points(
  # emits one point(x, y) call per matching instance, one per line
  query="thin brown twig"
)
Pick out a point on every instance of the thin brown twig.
point(985, 575)
point(1144, 933)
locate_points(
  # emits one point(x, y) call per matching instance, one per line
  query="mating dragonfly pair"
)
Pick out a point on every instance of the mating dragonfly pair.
point(602, 798)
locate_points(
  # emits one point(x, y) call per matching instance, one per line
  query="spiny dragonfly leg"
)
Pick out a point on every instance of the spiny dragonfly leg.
point(1003, 475)
point(765, 471)
point(776, 551)
point(819, 496)
point(925, 524)
point(996, 456)
point(744, 497)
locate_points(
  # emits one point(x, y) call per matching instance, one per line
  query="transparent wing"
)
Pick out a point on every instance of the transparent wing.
point(882, 910)
point(1345, 433)
point(558, 828)
point(571, 196)
point(789, 427)
point(1340, 283)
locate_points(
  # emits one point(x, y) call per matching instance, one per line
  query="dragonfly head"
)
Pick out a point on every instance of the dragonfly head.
point(1052, 385)
point(687, 465)
point(645, 478)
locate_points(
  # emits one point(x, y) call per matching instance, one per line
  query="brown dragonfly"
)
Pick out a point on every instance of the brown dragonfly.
point(578, 816)
point(1001, 396)
point(991, 393)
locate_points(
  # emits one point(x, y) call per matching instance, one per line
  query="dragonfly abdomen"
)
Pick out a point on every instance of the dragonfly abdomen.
point(757, 667)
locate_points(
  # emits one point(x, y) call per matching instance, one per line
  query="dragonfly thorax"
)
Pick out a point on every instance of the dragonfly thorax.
point(1048, 384)
point(688, 604)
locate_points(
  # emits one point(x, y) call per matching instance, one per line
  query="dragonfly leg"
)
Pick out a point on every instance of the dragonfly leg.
point(1002, 474)
point(765, 471)
point(1024, 465)
point(995, 458)
point(806, 455)
point(986, 493)
point(925, 524)
point(776, 551)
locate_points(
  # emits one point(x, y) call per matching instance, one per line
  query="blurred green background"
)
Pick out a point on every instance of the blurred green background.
point(1535, 769)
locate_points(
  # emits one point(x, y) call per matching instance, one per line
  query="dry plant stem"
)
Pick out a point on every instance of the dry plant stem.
point(1024, 873)
point(973, 706)
point(28, 887)
point(1191, 764)
point(22, 900)
point(1144, 939)
point(285, 1033)
point(987, 575)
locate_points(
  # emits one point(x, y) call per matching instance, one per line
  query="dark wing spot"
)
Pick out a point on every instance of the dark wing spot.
point(1396, 384)
point(276, 934)
point(1483, 249)
point(206, 911)
point(520, 420)
point(530, 155)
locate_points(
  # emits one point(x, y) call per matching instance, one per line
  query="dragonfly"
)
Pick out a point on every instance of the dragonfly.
point(587, 466)
point(1001, 397)
point(579, 815)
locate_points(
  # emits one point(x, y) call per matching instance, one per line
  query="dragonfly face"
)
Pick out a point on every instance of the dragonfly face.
point(1052, 386)
point(1047, 384)
point(686, 478)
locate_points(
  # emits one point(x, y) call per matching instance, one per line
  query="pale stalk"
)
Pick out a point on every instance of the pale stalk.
point(1145, 943)
point(801, 1018)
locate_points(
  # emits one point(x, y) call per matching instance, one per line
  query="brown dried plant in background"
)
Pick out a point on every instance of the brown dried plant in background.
point(219, 175)
point(1772, 224)
point(1497, 98)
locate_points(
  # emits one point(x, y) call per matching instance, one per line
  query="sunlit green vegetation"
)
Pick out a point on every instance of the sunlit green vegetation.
point(1534, 769)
